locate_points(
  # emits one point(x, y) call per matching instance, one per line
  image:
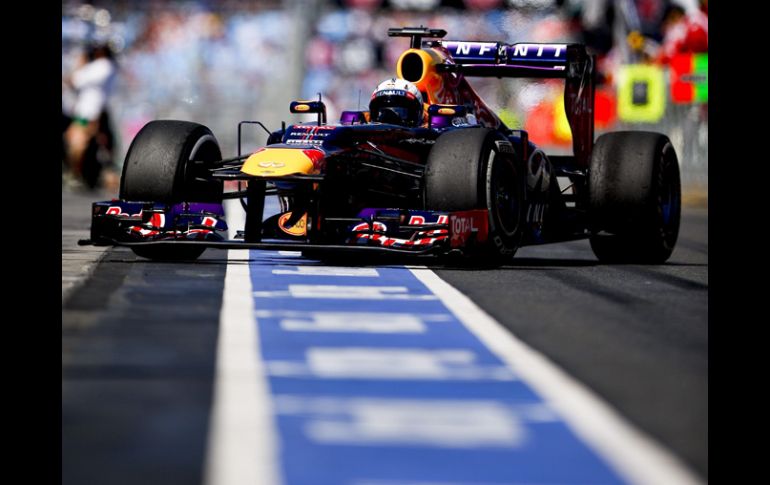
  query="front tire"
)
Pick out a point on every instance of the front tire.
point(634, 198)
point(467, 169)
point(157, 164)
point(158, 169)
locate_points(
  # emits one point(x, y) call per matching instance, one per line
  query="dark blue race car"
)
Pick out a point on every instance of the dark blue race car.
point(429, 169)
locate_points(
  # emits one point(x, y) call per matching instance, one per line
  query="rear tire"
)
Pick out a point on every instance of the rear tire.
point(157, 169)
point(634, 198)
point(466, 169)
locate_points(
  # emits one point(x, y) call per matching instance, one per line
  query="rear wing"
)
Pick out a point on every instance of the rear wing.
point(529, 60)
point(497, 59)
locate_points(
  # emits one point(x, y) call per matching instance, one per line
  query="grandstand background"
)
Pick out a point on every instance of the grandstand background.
point(218, 62)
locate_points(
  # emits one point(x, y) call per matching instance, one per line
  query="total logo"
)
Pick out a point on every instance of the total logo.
point(468, 226)
point(464, 225)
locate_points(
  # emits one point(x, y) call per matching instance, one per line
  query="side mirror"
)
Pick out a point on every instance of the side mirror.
point(303, 107)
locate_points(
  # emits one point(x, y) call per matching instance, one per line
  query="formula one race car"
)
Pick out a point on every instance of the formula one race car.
point(449, 178)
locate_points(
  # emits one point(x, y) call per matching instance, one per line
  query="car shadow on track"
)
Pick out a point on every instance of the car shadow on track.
point(383, 260)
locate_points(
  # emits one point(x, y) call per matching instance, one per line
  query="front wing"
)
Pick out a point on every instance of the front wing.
point(405, 231)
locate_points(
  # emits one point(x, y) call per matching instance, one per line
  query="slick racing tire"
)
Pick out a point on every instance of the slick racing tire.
point(474, 168)
point(634, 198)
point(157, 169)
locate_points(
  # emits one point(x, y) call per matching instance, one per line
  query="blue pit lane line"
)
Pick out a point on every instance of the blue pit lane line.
point(389, 376)
point(374, 381)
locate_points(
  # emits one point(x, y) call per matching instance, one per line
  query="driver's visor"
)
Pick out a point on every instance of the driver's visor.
point(385, 114)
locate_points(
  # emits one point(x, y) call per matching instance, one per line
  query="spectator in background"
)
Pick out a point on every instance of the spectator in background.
point(685, 30)
point(89, 138)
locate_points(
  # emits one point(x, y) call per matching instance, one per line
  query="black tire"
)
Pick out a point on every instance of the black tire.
point(468, 169)
point(156, 169)
point(634, 198)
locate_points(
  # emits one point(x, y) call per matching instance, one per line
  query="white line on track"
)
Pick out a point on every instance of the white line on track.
point(242, 436)
point(633, 454)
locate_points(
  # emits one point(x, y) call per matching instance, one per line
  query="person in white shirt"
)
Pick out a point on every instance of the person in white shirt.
point(92, 83)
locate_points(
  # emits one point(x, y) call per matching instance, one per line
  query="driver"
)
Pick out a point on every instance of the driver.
point(397, 102)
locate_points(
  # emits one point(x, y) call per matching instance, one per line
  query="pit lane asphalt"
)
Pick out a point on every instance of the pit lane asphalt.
point(139, 340)
point(138, 360)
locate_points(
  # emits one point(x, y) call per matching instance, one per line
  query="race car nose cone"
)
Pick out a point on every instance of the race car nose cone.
point(276, 162)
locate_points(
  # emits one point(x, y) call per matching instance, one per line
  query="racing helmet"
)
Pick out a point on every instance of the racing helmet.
point(396, 101)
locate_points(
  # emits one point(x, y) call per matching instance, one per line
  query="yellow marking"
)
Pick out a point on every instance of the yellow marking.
point(298, 229)
point(301, 107)
point(649, 108)
point(635, 40)
point(277, 162)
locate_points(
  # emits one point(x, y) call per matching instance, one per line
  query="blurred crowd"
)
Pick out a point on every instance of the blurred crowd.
point(220, 62)
point(195, 61)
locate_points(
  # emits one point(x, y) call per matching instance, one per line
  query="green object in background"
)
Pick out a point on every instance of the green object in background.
point(689, 78)
point(510, 119)
point(641, 93)
point(701, 71)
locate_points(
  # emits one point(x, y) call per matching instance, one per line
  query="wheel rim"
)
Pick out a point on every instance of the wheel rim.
point(668, 198)
point(667, 202)
point(205, 149)
point(503, 196)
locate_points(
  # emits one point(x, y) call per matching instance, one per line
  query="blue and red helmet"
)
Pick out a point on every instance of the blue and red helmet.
point(396, 101)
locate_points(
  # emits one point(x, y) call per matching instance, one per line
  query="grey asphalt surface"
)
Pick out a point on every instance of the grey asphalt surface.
point(139, 340)
point(77, 262)
point(138, 360)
